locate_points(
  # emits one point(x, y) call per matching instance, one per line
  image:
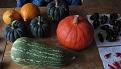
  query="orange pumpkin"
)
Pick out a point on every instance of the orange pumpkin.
point(10, 15)
point(29, 11)
point(75, 32)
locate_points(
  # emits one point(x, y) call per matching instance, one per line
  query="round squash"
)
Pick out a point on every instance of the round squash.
point(14, 30)
point(39, 27)
point(57, 10)
point(29, 11)
point(75, 32)
point(10, 15)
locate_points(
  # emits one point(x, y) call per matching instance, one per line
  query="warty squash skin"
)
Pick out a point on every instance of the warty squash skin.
point(75, 32)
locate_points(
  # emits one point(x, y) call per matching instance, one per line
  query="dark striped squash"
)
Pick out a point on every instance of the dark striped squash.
point(39, 27)
point(57, 10)
point(14, 30)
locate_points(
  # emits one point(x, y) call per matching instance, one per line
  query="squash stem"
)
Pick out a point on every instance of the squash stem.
point(39, 20)
point(76, 19)
point(56, 3)
point(12, 24)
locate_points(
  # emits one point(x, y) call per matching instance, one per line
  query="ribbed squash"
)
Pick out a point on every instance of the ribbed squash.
point(29, 11)
point(28, 52)
point(39, 27)
point(75, 32)
point(14, 30)
point(57, 10)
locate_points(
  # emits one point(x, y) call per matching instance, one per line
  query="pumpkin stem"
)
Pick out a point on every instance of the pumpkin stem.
point(56, 3)
point(76, 19)
point(12, 24)
point(39, 20)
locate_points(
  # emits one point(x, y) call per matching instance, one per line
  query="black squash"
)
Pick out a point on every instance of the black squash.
point(39, 27)
point(14, 30)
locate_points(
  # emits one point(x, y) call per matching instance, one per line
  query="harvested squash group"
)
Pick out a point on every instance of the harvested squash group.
point(72, 31)
point(29, 21)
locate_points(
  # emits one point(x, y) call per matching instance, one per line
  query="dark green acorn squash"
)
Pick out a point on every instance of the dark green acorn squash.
point(39, 27)
point(57, 10)
point(14, 30)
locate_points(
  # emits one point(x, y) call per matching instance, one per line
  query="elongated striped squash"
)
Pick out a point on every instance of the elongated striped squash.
point(26, 51)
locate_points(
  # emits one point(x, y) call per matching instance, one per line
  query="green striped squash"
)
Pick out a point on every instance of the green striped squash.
point(27, 52)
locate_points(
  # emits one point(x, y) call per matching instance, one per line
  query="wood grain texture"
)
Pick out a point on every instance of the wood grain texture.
point(2, 43)
point(2, 50)
point(89, 58)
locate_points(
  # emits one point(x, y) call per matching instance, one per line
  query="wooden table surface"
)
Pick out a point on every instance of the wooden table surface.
point(89, 58)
